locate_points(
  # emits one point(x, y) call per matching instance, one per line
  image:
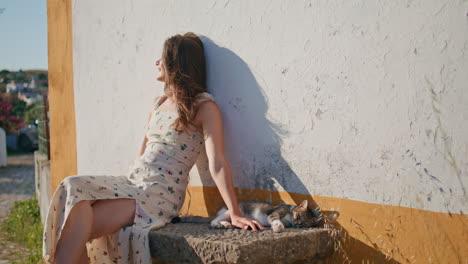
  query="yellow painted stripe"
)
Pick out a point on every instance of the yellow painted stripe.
point(374, 233)
point(61, 98)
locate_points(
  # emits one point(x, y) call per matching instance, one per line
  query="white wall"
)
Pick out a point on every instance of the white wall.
point(351, 99)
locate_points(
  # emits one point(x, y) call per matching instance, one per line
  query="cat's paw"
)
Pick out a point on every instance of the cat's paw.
point(226, 224)
point(216, 224)
point(277, 226)
point(220, 224)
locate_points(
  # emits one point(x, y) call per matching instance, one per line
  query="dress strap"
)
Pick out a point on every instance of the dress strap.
point(159, 100)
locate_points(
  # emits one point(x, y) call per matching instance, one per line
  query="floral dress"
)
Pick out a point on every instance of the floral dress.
point(157, 181)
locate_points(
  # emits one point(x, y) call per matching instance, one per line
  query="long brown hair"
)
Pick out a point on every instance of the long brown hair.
point(184, 60)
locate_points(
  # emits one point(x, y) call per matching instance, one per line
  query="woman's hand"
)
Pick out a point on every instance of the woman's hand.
point(245, 223)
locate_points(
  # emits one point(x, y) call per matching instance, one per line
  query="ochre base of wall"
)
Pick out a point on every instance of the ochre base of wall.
point(374, 233)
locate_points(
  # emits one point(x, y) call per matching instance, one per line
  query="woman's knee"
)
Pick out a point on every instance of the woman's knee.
point(123, 210)
point(86, 202)
point(129, 204)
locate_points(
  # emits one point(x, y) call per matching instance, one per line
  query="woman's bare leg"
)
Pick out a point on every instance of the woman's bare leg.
point(109, 215)
point(76, 232)
point(94, 215)
point(84, 259)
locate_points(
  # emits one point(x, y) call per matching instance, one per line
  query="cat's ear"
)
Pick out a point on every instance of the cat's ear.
point(303, 205)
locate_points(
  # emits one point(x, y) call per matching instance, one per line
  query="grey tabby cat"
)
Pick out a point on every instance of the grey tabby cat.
point(276, 216)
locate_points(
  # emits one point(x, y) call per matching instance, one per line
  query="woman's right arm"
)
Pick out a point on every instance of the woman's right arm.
point(145, 139)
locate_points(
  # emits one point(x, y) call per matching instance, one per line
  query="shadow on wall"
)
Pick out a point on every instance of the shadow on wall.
point(253, 149)
point(252, 142)
point(348, 249)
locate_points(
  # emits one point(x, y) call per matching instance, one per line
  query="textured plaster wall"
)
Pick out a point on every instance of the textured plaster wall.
point(348, 99)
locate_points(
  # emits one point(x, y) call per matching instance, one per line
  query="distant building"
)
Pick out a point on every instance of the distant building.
point(19, 74)
point(11, 87)
point(20, 87)
point(32, 83)
point(29, 97)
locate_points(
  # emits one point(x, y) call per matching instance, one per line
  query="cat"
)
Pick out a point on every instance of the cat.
point(275, 216)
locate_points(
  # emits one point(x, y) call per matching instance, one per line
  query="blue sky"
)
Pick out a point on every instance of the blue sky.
point(23, 29)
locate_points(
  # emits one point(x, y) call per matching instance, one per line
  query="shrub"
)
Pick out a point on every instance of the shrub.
point(24, 226)
point(10, 119)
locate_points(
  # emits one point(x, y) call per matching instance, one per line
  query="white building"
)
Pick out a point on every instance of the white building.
point(32, 84)
point(29, 97)
point(11, 87)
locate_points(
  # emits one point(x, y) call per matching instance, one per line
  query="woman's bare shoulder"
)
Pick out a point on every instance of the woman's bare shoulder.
point(208, 111)
point(208, 107)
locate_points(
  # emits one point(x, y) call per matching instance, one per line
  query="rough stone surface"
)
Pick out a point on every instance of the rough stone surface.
point(198, 243)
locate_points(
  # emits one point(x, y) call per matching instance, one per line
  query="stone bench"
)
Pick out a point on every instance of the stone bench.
point(197, 243)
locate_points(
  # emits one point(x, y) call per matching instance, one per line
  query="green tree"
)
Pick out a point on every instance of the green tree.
point(32, 112)
point(20, 76)
point(42, 76)
point(19, 106)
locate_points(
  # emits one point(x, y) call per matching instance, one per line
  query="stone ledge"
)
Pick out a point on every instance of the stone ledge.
point(198, 243)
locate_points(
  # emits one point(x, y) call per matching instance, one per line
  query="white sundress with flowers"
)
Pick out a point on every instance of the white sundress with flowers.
point(157, 181)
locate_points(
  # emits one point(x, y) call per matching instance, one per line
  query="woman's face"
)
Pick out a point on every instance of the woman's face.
point(161, 70)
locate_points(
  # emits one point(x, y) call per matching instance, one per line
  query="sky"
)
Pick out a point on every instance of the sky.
point(23, 31)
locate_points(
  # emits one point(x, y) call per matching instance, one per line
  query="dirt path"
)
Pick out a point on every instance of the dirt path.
point(16, 184)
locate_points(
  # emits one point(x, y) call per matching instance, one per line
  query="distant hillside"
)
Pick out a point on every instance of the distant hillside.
point(35, 71)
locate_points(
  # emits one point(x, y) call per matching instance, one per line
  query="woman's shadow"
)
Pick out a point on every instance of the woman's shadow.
point(253, 146)
point(252, 142)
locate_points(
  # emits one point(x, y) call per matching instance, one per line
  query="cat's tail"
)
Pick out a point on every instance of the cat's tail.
point(192, 219)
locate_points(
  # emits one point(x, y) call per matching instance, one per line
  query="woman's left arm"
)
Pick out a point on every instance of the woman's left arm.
point(220, 170)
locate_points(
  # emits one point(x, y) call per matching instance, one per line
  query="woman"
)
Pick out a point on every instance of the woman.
point(107, 218)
